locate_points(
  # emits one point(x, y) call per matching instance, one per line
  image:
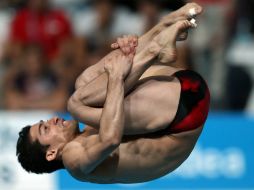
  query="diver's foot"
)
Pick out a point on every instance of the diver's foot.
point(187, 12)
point(167, 40)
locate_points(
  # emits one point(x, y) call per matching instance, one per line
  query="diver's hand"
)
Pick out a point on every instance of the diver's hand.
point(127, 44)
point(119, 65)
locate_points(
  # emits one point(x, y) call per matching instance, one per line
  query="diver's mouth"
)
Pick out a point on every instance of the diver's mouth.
point(61, 122)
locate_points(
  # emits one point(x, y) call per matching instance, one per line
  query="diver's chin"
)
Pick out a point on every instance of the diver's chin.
point(75, 125)
point(71, 129)
point(70, 123)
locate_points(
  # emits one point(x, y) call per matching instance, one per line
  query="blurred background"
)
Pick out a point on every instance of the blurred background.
point(46, 44)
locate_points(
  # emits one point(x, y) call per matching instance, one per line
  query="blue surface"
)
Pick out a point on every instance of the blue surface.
point(223, 158)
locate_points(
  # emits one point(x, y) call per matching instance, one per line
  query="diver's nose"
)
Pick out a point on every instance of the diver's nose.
point(55, 120)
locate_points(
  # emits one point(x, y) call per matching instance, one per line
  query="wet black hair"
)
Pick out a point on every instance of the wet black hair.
point(32, 155)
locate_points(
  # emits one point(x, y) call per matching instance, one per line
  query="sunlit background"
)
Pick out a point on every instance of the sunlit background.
point(46, 44)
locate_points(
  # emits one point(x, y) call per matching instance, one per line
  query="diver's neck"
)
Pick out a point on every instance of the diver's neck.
point(90, 131)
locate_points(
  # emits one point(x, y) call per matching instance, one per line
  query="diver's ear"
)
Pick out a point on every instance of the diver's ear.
point(51, 154)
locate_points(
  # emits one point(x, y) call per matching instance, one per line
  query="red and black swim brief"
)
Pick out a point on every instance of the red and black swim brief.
point(194, 102)
point(193, 105)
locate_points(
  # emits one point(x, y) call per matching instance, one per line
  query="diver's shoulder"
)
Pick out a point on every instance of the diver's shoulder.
point(71, 154)
point(72, 159)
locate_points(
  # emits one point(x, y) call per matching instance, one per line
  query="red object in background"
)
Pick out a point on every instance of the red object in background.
point(47, 29)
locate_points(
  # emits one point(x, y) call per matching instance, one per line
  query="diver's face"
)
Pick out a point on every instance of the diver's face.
point(55, 133)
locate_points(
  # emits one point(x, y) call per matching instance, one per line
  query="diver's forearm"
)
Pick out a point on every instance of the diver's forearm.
point(112, 119)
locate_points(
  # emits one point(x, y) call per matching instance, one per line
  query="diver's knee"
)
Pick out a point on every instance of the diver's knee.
point(73, 102)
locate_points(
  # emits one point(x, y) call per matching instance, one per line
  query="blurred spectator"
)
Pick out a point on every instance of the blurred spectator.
point(101, 23)
point(150, 10)
point(71, 62)
point(238, 88)
point(92, 27)
point(5, 19)
point(38, 23)
point(4, 25)
point(31, 85)
point(240, 80)
point(12, 3)
point(50, 29)
point(95, 24)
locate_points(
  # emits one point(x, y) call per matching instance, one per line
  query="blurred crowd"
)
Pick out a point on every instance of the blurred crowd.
point(46, 44)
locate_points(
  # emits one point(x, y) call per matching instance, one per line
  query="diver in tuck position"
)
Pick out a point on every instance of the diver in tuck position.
point(144, 119)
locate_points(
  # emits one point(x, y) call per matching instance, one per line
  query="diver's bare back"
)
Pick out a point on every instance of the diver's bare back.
point(137, 159)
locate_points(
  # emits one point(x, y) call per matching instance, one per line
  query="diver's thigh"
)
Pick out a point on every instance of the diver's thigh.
point(152, 105)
